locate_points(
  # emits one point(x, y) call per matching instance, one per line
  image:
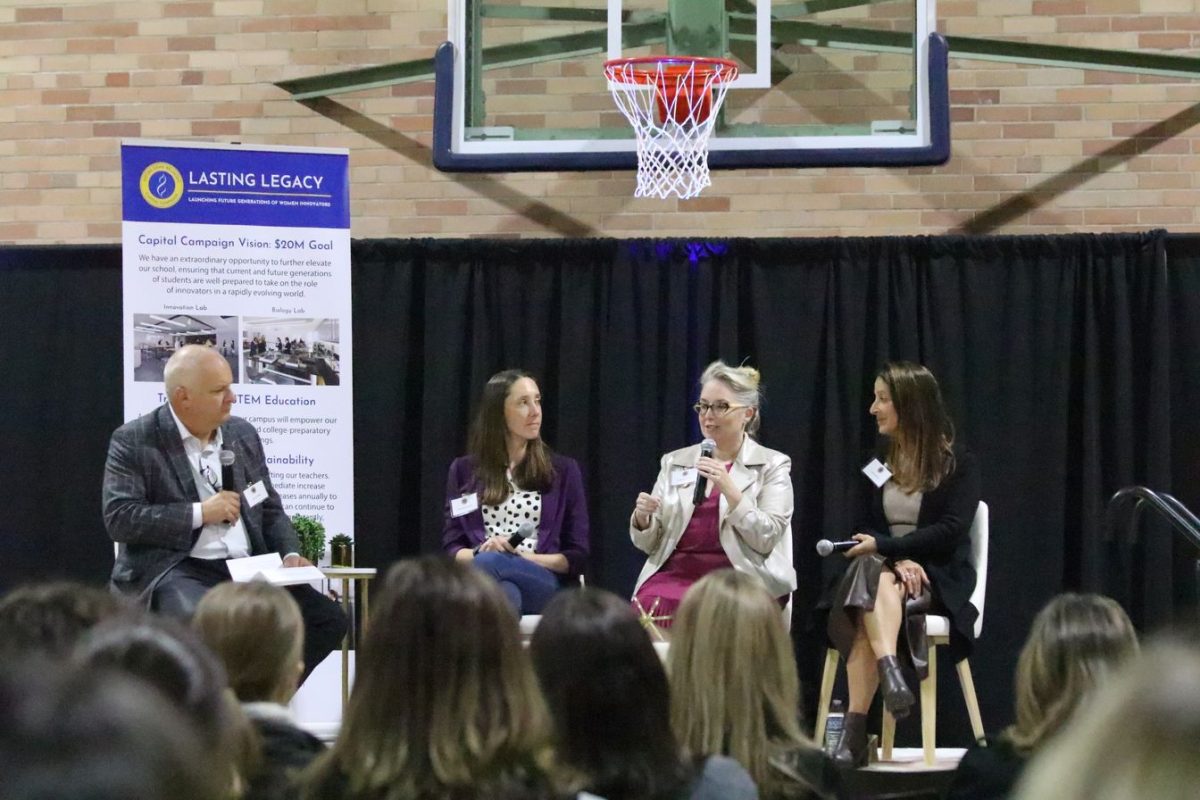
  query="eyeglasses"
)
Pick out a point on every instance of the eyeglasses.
point(718, 409)
point(210, 477)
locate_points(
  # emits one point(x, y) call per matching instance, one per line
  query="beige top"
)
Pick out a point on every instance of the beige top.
point(901, 509)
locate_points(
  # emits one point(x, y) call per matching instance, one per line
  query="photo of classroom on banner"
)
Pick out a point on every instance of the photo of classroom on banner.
point(291, 351)
point(157, 336)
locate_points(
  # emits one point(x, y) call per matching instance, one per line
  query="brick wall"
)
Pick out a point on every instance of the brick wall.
point(1035, 149)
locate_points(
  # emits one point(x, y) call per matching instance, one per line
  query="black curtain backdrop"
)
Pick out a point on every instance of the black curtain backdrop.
point(1070, 364)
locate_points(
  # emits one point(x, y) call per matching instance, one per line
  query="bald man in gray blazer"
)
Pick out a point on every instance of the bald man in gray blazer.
point(175, 525)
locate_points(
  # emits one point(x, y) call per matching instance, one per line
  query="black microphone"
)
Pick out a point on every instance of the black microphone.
point(523, 533)
point(227, 458)
point(707, 448)
point(826, 547)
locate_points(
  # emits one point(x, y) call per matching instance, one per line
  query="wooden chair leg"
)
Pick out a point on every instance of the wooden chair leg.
point(968, 690)
point(929, 709)
point(826, 696)
point(889, 735)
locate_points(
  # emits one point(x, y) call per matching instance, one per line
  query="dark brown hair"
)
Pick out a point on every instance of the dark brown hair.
point(99, 734)
point(444, 702)
point(608, 696)
point(488, 444)
point(50, 618)
point(921, 452)
point(172, 659)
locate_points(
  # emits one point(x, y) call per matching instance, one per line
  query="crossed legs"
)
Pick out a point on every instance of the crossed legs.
point(870, 662)
point(876, 635)
point(528, 586)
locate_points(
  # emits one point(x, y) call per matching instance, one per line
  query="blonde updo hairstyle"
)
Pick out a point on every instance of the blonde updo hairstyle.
point(745, 383)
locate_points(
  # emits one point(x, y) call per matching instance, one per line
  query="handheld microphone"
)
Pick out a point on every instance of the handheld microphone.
point(227, 458)
point(523, 533)
point(707, 448)
point(826, 547)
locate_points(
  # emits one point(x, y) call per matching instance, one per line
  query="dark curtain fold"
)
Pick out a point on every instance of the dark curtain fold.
point(1069, 363)
point(60, 325)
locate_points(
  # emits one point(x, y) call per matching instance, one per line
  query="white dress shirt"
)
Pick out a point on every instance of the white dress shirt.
point(217, 540)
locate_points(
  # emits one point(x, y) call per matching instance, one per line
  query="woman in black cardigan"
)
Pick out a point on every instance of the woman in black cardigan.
point(913, 552)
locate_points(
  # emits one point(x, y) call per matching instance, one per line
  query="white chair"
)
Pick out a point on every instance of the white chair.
point(937, 629)
point(527, 625)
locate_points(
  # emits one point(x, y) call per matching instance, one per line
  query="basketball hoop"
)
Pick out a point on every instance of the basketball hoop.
point(672, 102)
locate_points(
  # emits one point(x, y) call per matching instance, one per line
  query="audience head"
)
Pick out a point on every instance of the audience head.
point(1138, 738)
point(908, 409)
point(743, 387)
point(734, 688)
point(48, 619)
point(1076, 641)
point(257, 632)
point(608, 697)
point(444, 696)
point(198, 383)
point(169, 658)
point(510, 412)
point(68, 733)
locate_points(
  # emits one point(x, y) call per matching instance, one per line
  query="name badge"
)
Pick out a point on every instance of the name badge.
point(683, 476)
point(255, 493)
point(460, 506)
point(877, 472)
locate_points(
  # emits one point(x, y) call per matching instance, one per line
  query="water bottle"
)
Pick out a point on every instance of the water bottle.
point(834, 724)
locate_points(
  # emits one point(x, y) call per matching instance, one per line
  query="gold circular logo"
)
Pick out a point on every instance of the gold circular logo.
point(161, 185)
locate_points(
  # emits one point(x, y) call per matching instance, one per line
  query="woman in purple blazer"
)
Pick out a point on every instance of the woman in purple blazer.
point(511, 483)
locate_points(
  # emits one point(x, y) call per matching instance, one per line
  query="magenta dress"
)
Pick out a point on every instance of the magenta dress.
point(698, 553)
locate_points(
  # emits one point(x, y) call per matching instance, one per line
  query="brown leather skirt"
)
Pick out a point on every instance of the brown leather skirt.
point(855, 593)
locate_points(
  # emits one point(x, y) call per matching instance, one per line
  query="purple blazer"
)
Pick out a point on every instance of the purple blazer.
point(564, 525)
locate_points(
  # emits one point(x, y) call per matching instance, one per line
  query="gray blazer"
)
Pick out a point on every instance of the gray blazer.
point(149, 491)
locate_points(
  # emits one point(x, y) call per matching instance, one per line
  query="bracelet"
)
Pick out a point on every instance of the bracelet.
point(475, 549)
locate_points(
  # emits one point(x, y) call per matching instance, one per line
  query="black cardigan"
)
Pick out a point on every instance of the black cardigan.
point(941, 542)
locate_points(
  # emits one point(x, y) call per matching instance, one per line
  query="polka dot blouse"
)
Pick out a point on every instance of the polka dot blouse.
point(517, 509)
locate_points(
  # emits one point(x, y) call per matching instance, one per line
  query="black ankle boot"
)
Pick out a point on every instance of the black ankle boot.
point(851, 751)
point(896, 695)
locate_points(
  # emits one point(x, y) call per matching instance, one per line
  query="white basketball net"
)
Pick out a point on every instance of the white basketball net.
point(668, 103)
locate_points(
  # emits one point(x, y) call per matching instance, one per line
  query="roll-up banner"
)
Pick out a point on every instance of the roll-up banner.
point(246, 249)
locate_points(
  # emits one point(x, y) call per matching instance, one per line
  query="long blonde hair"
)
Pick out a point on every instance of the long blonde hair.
point(1076, 641)
point(445, 702)
point(734, 688)
point(1140, 737)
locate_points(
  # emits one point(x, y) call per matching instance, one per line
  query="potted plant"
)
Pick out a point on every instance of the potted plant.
point(312, 537)
point(341, 550)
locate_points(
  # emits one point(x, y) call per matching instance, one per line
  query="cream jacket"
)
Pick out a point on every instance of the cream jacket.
point(756, 534)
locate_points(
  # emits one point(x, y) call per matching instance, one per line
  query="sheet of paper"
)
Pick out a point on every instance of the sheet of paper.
point(244, 569)
point(286, 576)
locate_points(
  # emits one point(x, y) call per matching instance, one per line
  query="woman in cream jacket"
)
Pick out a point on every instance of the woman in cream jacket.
point(744, 520)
